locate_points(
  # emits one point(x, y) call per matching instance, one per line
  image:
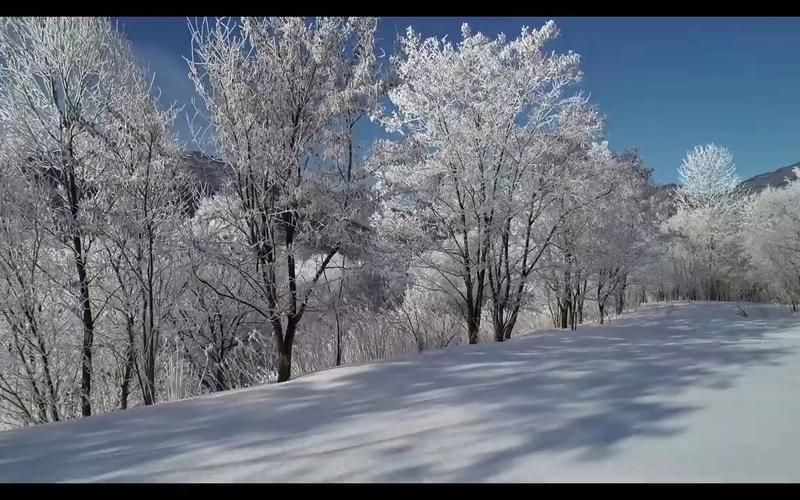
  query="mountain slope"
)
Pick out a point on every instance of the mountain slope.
point(207, 173)
point(774, 178)
point(690, 393)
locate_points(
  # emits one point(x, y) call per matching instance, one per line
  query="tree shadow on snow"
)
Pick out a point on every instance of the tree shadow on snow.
point(583, 393)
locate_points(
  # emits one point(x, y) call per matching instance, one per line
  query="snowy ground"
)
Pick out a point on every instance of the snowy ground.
point(690, 393)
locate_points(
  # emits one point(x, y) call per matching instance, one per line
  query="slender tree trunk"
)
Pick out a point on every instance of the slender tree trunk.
point(581, 301)
point(566, 312)
point(473, 328)
point(219, 357)
point(499, 330)
point(285, 347)
point(285, 353)
point(88, 330)
point(473, 316)
point(623, 283)
point(553, 312)
point(48, 379)
point(148, 397)
point(38, 398)
point(511, 322)
point(498, 310)
point(130, 363)
point(336, 309)
point(284, 364)
point(87, 319)
point(126, 380)
point(573, 314)
point(338, 342)
point(152, 332)
point(74, 197)
point(220, 378)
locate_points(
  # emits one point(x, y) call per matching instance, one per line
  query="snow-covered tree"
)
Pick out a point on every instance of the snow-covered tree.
point(552, 190)
point(472, 175)
point(707, 178)
point(60, 80)
point(594, 175)
point(621, 228)
point(37, 359)
point(705, 226)
point(144, 199)
point(218, 337)
point(281, 93)
point(771, 231)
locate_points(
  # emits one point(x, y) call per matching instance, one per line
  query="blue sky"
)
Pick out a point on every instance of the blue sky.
point(664, 84)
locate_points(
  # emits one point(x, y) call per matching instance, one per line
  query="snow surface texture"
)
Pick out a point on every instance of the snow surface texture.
point(690, 392)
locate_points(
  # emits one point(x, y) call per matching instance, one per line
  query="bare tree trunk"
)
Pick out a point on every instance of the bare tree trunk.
point(474, 289)
point(580, 302)
point(284, 364)
point(285, 346)
point(219, 381)
point(511, 322)
point(623, 283)
point(146, 383)
point(498, 311)
point(151, 333)
point(563, 302)
point(338, 341)
point(473, 315)
point(73, 201)
point(128, 372)
point(88, 330)
point(499, 330)
point(601, 299)
point(285, 353)
point(48, 379)
point(87, 319)
point(130, 361)
point(573, 314)
point(336, 311)
point(566, 312)
point(553, 312)
point(473, 328)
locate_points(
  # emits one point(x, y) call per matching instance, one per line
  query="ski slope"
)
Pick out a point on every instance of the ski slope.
point(692, 392)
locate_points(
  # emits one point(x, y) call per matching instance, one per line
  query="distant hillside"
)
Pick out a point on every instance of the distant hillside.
point(774, 178)
point(209, 174)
